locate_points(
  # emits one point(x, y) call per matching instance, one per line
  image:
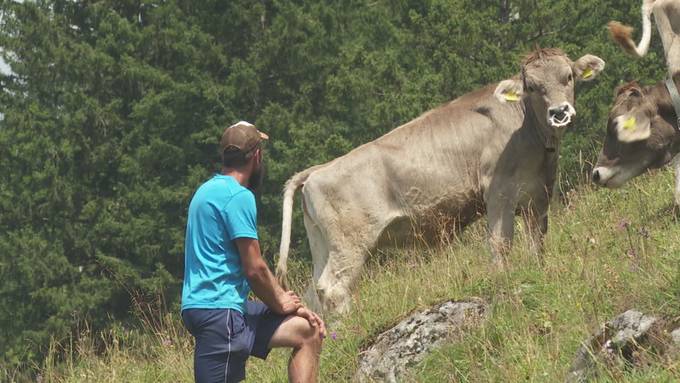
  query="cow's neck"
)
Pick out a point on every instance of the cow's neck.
point(535, 123)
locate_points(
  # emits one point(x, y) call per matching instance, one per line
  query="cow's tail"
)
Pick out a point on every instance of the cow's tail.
point(622, 33)
point(292, 185)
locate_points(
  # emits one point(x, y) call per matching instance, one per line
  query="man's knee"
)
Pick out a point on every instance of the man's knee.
point(310, 336)
point(296, 332)
point(305, 335)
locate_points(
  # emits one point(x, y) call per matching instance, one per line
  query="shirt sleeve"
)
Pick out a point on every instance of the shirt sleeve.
point(241, 216)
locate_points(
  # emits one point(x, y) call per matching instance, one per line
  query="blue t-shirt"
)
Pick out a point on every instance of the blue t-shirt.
point(220, 211)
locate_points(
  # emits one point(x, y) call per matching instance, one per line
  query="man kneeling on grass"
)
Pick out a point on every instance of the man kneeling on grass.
point(223, 262)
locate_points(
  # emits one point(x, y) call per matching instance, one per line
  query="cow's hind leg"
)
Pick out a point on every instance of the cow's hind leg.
point(340, 274)
point(318, 246)
point(666, 16)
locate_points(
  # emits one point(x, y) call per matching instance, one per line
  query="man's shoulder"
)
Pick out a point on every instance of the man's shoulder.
point(230, 191)
point(223, 186)
point(224, 193)
point(242, 197)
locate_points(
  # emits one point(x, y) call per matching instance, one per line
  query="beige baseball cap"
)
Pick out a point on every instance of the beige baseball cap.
point(242, 136)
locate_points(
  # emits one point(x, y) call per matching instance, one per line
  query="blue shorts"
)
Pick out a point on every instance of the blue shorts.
point(226, 338)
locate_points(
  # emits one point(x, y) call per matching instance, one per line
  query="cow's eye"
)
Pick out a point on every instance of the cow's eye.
point(530, 88)
point(570, 78)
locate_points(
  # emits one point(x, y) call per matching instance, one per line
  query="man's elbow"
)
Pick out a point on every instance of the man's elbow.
point(256, 272)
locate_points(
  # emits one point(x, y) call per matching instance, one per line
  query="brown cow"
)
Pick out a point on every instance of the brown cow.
point(493, 150)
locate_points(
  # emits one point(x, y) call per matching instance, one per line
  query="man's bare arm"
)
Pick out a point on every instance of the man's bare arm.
point(262, 281)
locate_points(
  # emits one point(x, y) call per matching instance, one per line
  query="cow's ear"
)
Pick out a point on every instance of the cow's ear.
point(588, 67)
point(632, 127)
point(509, 91)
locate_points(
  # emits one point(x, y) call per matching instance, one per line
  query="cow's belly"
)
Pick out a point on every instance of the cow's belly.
point(430, 223)
point(393, 201)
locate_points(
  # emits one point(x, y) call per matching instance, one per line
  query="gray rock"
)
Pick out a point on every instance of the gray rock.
point(404, 345)
point(630, 326)
point(614, 341)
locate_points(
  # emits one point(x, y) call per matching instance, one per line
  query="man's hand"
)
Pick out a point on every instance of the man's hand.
point(313, 319)
point(262, 281)
point(289, 302)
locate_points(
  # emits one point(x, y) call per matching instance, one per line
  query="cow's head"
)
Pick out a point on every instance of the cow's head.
point(546, 84)
point(333, 292)
point(640, 134)
point(335, 299)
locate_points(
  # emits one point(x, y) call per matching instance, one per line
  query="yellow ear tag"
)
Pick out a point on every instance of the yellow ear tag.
point(629, 124)
point(587, 73)
point(511, 96)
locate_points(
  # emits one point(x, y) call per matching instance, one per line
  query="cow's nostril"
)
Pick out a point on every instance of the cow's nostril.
point(596, 176)
point(559, 112)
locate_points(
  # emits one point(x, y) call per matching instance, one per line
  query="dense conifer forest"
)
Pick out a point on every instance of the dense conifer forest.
point(112, 112)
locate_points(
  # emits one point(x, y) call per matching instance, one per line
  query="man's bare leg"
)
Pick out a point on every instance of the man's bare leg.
point(297, 333)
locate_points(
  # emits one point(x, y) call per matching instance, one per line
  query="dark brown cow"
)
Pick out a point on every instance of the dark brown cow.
point(643, 129)
point(642, 133)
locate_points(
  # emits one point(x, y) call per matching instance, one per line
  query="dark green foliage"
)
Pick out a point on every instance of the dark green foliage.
point(114, 109)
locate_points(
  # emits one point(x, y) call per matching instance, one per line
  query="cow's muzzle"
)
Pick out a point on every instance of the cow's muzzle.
point(603, 176)
point(560, 116)
point(596, 176)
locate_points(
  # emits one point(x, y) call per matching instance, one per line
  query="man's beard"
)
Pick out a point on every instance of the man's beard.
point(257, 179)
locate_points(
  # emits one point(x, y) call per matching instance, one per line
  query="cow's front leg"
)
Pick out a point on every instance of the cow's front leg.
point(536, 226)
point(501, 215)
point(676, 164)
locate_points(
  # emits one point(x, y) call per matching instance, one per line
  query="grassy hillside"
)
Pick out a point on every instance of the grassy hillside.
point(607, 251)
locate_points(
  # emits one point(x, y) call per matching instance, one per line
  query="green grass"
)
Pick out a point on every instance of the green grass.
point(606, 252)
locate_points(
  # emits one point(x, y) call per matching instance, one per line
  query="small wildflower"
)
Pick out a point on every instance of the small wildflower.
point(624, 224)
point(334, 335)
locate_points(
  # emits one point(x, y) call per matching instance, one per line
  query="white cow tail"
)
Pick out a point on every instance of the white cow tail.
point(292, 185)
point(622, 33)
